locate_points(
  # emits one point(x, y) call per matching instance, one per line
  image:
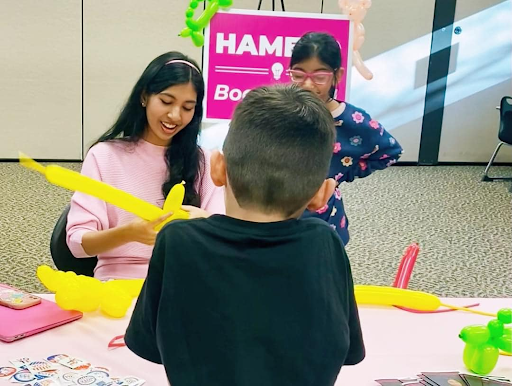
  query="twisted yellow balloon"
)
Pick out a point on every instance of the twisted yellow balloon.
point(71, 180)
point(416, 300)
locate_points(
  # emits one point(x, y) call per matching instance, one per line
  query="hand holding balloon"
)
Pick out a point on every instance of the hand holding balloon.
point(143, 231)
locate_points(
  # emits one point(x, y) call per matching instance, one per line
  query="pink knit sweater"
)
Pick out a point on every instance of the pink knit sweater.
point(139, 169)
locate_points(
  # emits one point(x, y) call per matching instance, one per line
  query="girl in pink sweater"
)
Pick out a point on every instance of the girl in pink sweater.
point(151, 147)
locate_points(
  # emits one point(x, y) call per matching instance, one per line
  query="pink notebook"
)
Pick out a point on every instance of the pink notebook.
point(18, 324)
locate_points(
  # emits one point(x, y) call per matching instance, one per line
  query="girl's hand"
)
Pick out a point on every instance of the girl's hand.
point(143, 231)
point(195, 212)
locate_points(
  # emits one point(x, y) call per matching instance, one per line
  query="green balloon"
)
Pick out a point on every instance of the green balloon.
point(194, 27)
point(480, 359)
point(207, 14)
point(185, 33)
point(192, 24)
point(197, 39)
point(505, 342)
point(495, 328)
point(505, 315)
point(475, 335)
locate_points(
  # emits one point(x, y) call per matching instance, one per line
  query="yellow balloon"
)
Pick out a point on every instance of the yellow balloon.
point(174, 198)
point(90, 299)
point(68, 296)
point(61, 279)
point(391, 296)
point(86, 294)
point(115, 302)
point(72, 180)
point(173, 204)
point(132, 287)
point(47, 277)
point(75, 181)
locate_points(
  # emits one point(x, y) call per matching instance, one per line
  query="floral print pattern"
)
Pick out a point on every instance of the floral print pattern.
point(323, 209)
point(364, 147)
point(374, 124)
point(337, 193)
point(356, 140)
point(346, 161)
point(358, 117)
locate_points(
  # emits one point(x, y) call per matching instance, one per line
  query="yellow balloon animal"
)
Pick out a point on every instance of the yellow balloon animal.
point(86, 294)
point(72, 180)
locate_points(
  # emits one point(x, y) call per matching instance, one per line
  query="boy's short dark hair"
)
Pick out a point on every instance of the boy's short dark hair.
point(278, 148)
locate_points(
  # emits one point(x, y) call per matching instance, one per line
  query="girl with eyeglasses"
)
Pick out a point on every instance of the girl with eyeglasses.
point(362, 145)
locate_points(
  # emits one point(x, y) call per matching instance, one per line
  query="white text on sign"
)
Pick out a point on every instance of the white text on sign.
point(222, 93)
point(279, 47)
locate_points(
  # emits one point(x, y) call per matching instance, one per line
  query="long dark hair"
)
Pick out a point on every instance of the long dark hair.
point(322, 46)
point(184, 158)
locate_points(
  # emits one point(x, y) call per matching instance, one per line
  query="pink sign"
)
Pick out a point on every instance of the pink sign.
point(245, 49)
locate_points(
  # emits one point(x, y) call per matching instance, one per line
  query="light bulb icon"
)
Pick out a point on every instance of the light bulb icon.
point(277, 70)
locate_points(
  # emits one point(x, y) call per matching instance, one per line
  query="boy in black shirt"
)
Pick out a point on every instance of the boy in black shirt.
point(257, 297)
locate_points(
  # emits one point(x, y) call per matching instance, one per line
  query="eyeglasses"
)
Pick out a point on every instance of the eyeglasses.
point(317, 77)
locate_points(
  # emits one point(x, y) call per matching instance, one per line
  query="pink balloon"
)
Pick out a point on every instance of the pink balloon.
point(361, 67)
point(358, 36)
point(406, 266)
point(356, 12)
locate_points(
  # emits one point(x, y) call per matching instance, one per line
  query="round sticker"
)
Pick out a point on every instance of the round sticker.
point(86, 380)
point(57, 358)
point(130, 380)
point(70, 377)
point(6, 371)
point(98, 374)
point(24, 376)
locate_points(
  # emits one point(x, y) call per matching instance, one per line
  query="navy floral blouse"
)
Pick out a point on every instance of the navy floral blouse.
point(362, 147)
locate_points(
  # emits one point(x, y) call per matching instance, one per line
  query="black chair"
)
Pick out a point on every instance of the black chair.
point(62, 256)
point(504, 135)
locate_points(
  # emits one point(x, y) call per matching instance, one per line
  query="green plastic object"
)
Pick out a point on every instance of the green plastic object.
point(484, 342)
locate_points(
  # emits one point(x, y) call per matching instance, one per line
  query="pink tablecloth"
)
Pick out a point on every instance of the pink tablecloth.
point(399, 344)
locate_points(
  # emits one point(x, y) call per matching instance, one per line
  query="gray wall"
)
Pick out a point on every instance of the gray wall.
point(41, 67)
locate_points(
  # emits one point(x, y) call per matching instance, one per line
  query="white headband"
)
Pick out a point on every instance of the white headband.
point(184, 62)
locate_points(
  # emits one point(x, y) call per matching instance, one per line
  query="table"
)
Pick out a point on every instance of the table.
point(398, 344)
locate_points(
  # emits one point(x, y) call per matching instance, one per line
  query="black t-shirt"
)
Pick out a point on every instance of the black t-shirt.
point(230, 302)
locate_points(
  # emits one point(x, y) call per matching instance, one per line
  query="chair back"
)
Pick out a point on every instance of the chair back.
point(505, 132)
point(62, 256)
